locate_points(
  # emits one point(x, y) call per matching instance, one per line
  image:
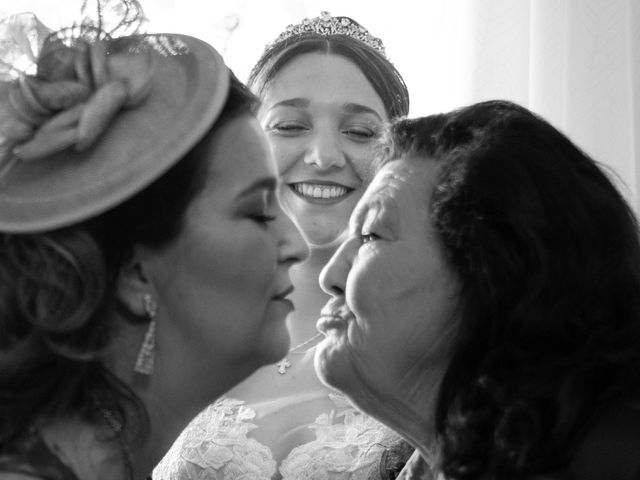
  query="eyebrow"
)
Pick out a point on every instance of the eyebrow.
point(357, 108)
point(353, 108)
point(266, 183)
point(292, 102)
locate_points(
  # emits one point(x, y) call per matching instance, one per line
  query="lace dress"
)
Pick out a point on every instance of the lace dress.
point(347, 445)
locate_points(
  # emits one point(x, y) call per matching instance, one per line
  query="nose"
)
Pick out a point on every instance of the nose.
point(333, 278)
point(291, 246)
point(324, 150)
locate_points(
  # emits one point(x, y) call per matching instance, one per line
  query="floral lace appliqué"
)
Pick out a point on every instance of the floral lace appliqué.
point(348, 446)
point(215, 447)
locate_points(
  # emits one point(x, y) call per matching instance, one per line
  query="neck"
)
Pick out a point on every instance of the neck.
point(411, 424)
point(319, 256)
point(409, 409)
point(308, 297)
point(170, 397)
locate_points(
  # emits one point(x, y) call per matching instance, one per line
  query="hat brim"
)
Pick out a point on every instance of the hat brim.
point(189, 89)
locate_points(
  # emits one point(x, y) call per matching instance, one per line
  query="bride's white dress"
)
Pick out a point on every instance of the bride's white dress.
point(218, 445)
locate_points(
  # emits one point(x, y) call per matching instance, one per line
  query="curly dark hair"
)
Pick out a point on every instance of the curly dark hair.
point(548, 254)
point(378, 70)
point(57, 292)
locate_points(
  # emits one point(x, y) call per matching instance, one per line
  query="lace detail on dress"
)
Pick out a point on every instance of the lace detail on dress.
point(215, 447)
point(349, 445)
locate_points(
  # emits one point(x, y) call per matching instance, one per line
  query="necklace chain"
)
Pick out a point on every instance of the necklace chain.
point(295, 349)
point(285, 363)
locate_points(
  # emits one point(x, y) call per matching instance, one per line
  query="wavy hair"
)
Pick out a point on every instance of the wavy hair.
point(57, 292)
point(548, 255)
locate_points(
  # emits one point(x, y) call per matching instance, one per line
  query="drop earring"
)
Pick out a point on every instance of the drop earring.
point(145, 360)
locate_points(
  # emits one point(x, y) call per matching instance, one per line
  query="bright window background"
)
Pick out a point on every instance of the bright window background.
point(424, 39)
point(575, 62)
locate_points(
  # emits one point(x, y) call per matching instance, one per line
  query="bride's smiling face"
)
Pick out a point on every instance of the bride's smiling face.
point(321, 116)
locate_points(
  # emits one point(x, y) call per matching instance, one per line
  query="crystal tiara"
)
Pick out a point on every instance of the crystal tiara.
point(327, 25)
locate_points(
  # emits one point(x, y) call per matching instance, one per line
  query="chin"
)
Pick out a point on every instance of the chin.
point(278, 350)
point(275, 345)
point(322, 228)
point(333, 366)
point(324, 236)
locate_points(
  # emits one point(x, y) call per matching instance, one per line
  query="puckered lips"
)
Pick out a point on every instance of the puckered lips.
point(320, 192)
point(335, 315)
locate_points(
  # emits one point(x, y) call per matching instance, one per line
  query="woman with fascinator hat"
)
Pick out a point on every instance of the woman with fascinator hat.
point(327, 89)
point(140, 238)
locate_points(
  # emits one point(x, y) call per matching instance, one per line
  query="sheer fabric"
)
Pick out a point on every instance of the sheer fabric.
point(217, 445)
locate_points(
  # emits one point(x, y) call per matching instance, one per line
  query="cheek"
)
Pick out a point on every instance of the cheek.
point(225, 270)
point(397, 303)
point(362, 162)
point(370, 296)
point(248, 268)
point(285, 199)
point(374, 283)
point(286, 153)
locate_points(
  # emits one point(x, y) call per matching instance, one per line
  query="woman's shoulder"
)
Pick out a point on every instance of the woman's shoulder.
point(611, 446)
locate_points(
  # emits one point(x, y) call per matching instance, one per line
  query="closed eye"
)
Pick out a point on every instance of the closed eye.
point(361, 134)
point(368, 237)
point(262, 219)
point(288, 128)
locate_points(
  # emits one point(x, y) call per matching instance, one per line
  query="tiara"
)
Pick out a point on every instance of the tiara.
point(326, 25)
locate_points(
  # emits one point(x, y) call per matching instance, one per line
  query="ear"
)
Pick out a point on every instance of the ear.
point(133, 282)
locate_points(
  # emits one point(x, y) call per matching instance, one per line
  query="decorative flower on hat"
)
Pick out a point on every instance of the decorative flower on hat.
point(78, 88)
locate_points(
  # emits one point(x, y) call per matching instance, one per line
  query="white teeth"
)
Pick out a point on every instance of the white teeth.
point(319, 191)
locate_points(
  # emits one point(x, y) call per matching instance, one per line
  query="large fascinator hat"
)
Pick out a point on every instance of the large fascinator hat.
point(89, 118)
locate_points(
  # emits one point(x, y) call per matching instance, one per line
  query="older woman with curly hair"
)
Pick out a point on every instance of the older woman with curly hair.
point(486, 303)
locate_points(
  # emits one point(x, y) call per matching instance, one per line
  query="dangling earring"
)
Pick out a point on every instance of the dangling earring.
point(144, 363)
